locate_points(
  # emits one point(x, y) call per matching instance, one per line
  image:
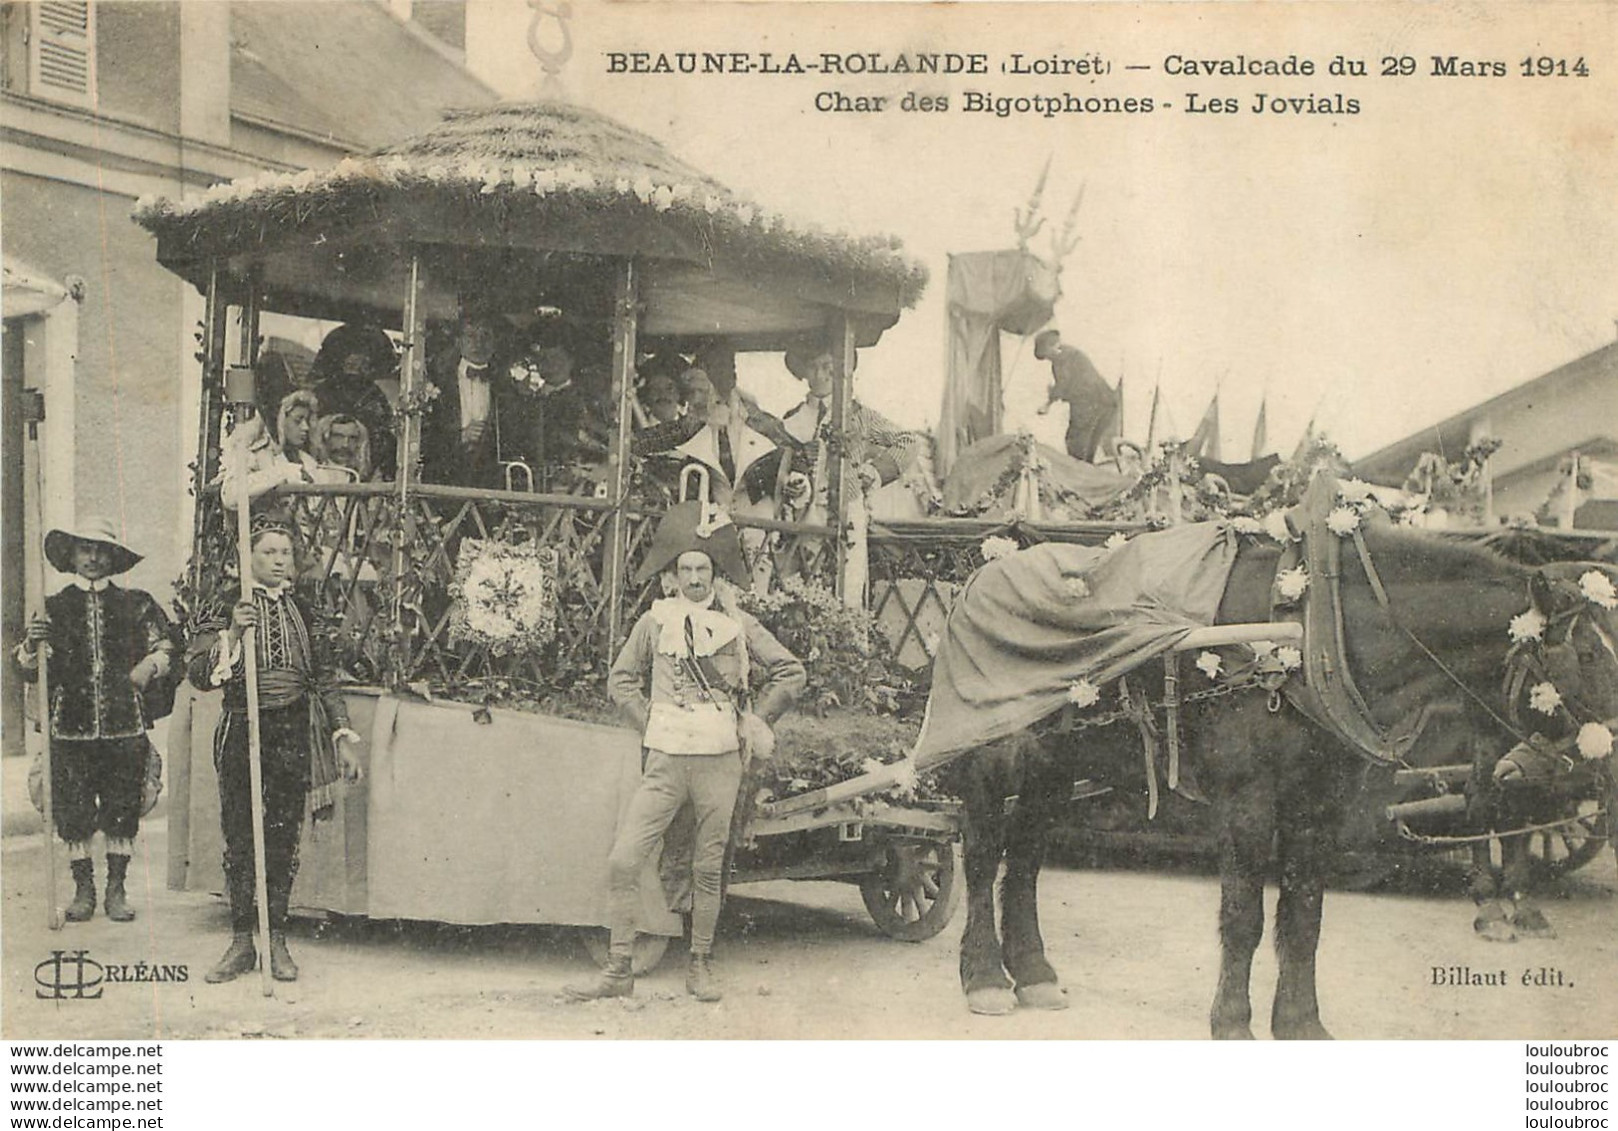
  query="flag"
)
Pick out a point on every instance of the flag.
point(1204, 442)
point(1260, 429)
point(1304, 441)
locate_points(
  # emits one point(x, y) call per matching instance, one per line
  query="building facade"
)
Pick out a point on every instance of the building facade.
point(104, 102)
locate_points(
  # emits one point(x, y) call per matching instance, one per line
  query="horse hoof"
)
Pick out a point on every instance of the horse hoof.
point(994, 1002)
point(1042, 995)
point(1307, 1031)
point(1530, 923)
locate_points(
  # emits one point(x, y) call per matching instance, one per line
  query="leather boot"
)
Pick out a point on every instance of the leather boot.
point(84, 899)
point(282, 968)
point(239, 959)
point(700, 982)
point(617, 979)
point(118, 909)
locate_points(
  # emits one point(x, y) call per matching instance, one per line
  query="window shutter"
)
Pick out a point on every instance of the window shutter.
point(61, 51)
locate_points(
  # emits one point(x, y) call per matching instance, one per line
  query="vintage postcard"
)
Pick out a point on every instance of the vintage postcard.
point(660, 520)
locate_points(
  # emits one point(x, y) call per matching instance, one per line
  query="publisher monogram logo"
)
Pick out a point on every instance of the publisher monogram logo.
point(69, 974)
point(72, 975)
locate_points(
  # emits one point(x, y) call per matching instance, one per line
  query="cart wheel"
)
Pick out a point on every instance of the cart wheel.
point(648, 952)
point(1556, 852)
point(913, 896)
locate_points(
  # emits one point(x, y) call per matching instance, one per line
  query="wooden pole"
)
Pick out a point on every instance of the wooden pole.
point(625, 332)
point(248, 348)
point(837, 466)
point(53, 914)
point(215, 322)
point(412, 378)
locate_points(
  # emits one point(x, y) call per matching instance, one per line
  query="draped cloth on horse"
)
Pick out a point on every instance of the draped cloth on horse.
point(1031, 624)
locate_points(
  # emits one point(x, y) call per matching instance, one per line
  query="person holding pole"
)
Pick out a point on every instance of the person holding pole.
point(304, 741)
point(110, 651)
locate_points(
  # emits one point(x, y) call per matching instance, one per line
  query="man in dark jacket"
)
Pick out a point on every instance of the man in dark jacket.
point(110, 652)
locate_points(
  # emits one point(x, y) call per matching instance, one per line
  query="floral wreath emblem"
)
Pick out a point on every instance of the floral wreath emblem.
point(505, 596)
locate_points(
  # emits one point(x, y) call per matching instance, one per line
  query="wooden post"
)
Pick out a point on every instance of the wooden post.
point(412, 379)
point(215, 320)
point(53, 915)
point(625, 331)
point(842, 340)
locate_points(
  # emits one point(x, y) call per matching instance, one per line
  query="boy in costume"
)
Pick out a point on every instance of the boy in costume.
point(305, 743)
point(696, 650)
point(110, 652)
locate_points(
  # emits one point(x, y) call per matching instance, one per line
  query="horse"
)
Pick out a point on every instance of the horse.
point(1276, 779)
point(1536, 783)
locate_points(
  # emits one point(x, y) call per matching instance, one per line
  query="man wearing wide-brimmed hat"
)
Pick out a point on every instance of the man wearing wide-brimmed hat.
point(111, 655)
point(697, 649)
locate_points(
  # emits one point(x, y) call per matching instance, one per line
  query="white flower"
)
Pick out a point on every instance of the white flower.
point(1595, 741)
point(1291, 583)
point(1343, 521)
point(1275, 525)
point(1290, 658)
point(1209, 663)
point(1527, 626)
point(1354, 490)
point(1544, 698)
point(1077, 588)
point(1262, 648)
point(1247, 524)
point(997, 546)
point(663, 198)
point(1114, 541)
point(904, 776)
point(644, 189)
point(1597, 586)
point(711, 204)
point(1083, 693)
point(745, 214)
point(621, 186)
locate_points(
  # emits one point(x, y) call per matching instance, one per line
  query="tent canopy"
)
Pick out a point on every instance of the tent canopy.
point(544, 197)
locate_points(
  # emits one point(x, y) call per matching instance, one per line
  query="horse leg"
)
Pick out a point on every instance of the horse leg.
point(983, 790)
point(1492, 922)
point(1295, 1014)
point(1516, 881)
point(1247, 825)
point(1040, 797)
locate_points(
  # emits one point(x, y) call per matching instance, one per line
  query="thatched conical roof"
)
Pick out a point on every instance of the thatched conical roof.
point(543, 175)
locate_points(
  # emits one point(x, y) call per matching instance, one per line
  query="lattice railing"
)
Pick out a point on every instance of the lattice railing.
point(383, 577)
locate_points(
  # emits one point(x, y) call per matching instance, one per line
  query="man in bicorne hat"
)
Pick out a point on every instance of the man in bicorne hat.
point(305, 744)
point(110, 651)
point(697, 650)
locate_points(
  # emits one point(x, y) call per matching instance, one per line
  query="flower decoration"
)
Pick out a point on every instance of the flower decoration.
point(1077, 588)
point(998, 546)
point(1114, 541)
point(1527, 626)
point(1247, 524)
point(1354, 490)
point(1544, 698)
point(1291, 583)
point(1343, 521)
point(1595, 741)
point(1209, 664)
point(1276, 526)
point(1597, 587)
point(1083, 693)
point(1289, 658)
point(1262, 648)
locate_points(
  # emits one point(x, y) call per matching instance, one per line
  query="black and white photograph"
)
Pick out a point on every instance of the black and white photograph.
point(623, 521)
